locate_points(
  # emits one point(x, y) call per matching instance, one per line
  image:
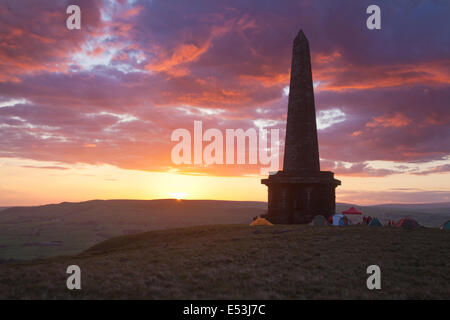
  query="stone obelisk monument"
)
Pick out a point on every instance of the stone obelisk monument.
point(301, 191)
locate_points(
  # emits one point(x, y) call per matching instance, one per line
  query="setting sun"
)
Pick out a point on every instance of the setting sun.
point(178, 195)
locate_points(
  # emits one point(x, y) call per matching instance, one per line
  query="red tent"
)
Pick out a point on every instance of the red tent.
point(407, 223)
point(352, 210)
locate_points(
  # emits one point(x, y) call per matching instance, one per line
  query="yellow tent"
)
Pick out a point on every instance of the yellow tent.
point(261, 222)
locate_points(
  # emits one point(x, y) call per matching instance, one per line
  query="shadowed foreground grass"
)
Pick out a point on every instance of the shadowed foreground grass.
point(241, 262)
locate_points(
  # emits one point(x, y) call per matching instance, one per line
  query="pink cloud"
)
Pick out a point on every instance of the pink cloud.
point(438, 169)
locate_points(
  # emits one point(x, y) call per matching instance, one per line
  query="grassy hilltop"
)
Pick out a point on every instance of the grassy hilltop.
point(242, 262)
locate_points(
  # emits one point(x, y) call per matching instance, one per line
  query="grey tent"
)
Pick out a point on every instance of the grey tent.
point(407, 223)
point(319, 221)
point(375, 223)
point(446, 225)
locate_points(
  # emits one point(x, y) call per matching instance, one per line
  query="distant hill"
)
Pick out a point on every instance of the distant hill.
point(69, 228)
point(242, 262)
point(416, 206)
point(429, 215)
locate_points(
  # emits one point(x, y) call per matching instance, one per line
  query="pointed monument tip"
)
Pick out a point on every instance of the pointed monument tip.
point(301, 36)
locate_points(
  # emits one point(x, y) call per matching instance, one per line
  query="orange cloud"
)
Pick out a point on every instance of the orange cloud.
point(396, 121)
point(185, 53)
point(132, 12)
point(435, 119)
point(322, 58)
point(348, 77)
point(182, 54)
point(269, 79)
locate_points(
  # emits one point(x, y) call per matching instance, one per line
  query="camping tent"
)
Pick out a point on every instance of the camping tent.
point(407, 223)
point(319, 221)
point(336, 218)
point(261, 222)
point(352, 210)
point(446, 225)
point(340, 220)
point(375, 223)
point(345, 221)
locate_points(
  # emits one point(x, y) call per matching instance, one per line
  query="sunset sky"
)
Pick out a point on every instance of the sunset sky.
point(88, 114)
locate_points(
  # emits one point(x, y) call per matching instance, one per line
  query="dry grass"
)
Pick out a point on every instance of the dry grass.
point(241, 262)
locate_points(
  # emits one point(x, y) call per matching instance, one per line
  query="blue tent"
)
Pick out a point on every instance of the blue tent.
point(446, 225)
point(344, 221)
point(337, 218)
point(375, 223)
point(340, 220)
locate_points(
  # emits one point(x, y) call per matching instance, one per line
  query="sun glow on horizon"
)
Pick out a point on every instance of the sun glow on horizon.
point(178, 195)
point(81, 182)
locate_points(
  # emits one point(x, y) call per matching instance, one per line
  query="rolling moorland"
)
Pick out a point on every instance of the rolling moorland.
point(70, 228)
point(243, 262)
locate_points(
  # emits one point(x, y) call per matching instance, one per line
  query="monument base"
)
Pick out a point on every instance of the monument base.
point(297, 197)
